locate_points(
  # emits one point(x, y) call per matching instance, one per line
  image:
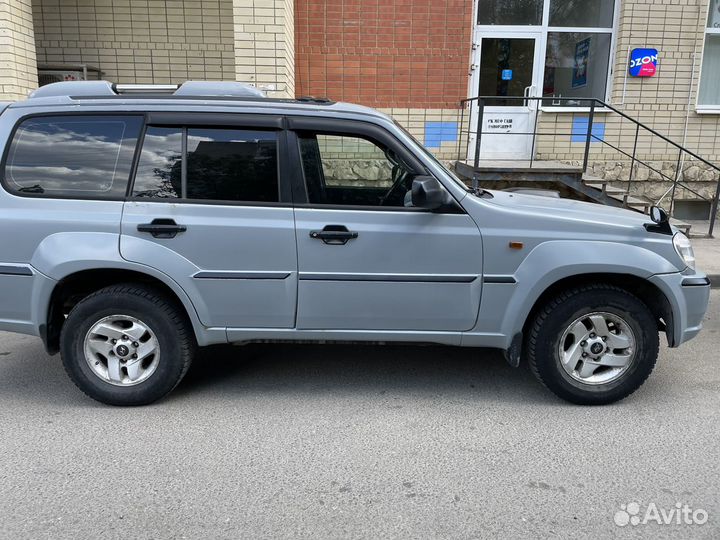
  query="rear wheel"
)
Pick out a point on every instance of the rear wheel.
point(593, 345)
point(126, 345)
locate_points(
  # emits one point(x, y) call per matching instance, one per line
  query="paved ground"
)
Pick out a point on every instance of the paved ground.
point(707, 253)
point(348, 441)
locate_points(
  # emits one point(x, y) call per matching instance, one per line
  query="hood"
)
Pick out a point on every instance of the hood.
point(569, 209)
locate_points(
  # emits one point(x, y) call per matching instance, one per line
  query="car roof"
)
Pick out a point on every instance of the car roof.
point(204, 95)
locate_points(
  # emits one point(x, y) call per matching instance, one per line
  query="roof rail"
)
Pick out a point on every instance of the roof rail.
point(79, 89)
point(144, 88)
point(218, 89)
point(74, 88)
point(313, 99)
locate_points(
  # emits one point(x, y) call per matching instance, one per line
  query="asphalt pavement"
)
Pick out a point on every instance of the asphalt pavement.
point(347, 441)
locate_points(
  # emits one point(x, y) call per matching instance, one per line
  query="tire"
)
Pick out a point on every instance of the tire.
point(575, 318)
point(108, 373)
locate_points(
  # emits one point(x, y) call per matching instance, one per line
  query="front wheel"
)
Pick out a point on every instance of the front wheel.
point(593, 345)
point(126, 345)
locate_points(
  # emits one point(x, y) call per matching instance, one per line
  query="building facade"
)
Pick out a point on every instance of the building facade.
point(417, 59)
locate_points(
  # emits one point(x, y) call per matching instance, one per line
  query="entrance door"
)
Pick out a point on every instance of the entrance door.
point(505, 67)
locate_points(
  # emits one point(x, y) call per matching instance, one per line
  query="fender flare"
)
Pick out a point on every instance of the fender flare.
point(99, 251)
point(540, 271)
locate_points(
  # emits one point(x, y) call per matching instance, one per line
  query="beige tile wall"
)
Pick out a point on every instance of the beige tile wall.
point(18, 72)
point(414, 120)
point(264, 39)
point(665, 102)
point(138, 41)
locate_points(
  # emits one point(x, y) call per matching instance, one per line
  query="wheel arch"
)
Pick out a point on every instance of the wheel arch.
point(73, 287)
point(648, 293)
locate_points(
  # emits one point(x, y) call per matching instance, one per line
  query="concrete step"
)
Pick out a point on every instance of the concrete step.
point(637, 203)
point(684, 227)
point(634, 202)
point(523, 165)
point(602, 186)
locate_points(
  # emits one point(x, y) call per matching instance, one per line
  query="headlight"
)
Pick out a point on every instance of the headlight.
point(684, 249)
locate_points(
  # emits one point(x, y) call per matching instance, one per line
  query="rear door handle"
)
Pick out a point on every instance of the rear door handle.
point(162, 228)
point(334, 235)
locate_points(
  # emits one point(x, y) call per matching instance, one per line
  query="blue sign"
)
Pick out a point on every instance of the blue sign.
point(507, 74)
point(643, 62)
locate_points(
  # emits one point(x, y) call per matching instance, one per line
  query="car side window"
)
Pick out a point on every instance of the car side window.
point(351, 170)
point(86, 156)
point(221, 164)
point(232, 165)
point(159, 168)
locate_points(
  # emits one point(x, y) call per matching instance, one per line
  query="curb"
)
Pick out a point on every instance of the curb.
point(714, 281)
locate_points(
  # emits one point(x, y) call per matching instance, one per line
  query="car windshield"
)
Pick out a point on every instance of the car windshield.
point(433, 158)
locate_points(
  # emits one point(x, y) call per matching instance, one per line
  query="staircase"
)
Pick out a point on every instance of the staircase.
point(575, 180)
point(580, 183)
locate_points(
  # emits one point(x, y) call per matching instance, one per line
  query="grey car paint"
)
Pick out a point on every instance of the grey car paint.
point(246, 253)
point(404, 271)
point(255, 290)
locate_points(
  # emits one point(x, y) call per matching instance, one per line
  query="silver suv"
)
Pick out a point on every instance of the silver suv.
point(139, 223)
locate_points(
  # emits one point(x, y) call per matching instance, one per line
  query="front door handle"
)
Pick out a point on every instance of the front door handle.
point(334, 235)
point(162, 228)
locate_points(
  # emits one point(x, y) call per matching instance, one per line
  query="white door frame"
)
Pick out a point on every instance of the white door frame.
point(522, 116)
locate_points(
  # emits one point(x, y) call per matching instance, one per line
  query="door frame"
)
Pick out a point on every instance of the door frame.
point(529, 108)
point(505, 32)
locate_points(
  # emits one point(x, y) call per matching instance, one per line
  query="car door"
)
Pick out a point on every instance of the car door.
point(367, 259)
point(210, 208)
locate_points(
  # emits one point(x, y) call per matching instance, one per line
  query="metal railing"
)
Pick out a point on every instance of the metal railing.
point(475, 109)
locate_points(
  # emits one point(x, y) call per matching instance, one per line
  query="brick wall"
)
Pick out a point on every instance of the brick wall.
point(139, 41)
point(18, 73)
point(384, 53)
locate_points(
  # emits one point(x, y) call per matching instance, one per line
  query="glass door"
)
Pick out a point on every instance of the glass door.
point(506, 71)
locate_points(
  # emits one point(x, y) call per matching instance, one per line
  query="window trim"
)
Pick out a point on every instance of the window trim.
point(201, 119)
point(13, 132)
point(212, 119)
point(352, 128)
point(542, 30)
point(702, 108)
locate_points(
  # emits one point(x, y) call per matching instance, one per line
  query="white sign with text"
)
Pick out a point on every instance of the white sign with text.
point(506, 135)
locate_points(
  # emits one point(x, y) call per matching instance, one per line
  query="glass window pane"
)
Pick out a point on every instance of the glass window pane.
point(509, 12)
point(87, 156)
point(709, 93)
point(232, 165)
point(506, 68)
point(159, 168)
point(592, 14)
point(352, 171)
point(714, 14)
point(576, 65)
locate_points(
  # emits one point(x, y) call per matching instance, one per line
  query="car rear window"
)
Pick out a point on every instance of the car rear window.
point(72, 156)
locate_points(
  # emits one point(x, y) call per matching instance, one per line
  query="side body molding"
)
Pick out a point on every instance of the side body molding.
point(54, 259)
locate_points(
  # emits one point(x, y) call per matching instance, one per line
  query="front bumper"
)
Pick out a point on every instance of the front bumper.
point(688, 295)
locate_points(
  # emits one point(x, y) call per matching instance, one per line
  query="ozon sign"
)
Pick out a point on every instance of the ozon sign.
point(643, 62)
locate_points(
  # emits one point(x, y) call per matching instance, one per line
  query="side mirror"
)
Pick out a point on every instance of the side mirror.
point(428, 193)
point(658, 215)
point(661, 221)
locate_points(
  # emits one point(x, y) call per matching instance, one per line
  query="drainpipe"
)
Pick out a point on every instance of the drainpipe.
point(689, 103)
